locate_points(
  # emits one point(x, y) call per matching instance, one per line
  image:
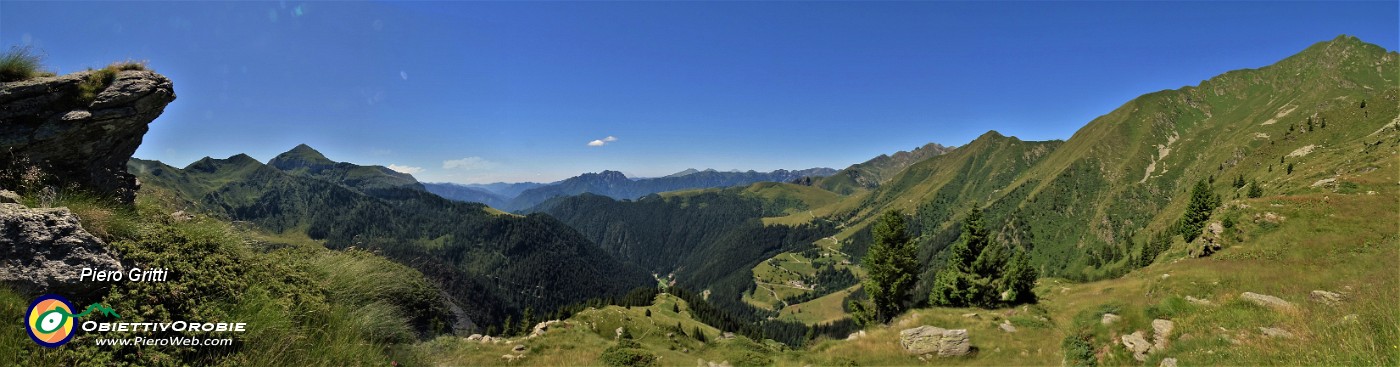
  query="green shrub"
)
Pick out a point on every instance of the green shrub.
point(1079, 350)
point(627, 355)
point(20, 64)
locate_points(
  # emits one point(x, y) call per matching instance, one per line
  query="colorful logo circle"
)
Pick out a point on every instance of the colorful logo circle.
point(50, 320)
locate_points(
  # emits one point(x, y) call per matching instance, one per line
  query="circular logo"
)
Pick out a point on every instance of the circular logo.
point(50, 320)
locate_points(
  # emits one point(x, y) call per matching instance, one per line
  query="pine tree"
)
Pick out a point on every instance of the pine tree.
point(1018, 281)
point(507, 329)
point(698, 334)
point(1203, 201)
point(1239, 181)
point(526, 321)
point(1254, 189)
point(648, 313)
point(892, 265)
point(1290, 168)
point(980, 272)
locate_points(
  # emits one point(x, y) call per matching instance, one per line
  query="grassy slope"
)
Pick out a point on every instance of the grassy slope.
point(304, 304)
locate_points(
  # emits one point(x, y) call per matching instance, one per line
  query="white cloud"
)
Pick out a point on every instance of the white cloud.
point(405, 169)
point(468, 163)
point(603, 141)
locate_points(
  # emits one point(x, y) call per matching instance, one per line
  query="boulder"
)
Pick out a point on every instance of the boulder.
point(1274, 332)
point(543, 327)
point(1137, 344)
point(1167, 362)
point(856, 335)
point(474, 338)
point(1199, 301)
point(46, 126)
point(1328, 298)
point(1007, 327)
point(518, 348)
point(1210, 239)
point(7, 196)
point(45, 251)
point(1161, 329)
point(1109, 319)
point(929, 339)
point(1266, 300)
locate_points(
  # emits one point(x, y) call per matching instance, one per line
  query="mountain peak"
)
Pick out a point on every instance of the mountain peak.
point(686, 172)
point(301, 156)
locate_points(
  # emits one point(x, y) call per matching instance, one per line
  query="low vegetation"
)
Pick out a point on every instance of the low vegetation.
point(21, 63)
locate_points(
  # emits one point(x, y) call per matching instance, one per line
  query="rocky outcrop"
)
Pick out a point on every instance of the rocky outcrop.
point(45, 251)
point(75, 140)
point(1137, 344)
point(928, 340)
point(1211, 240)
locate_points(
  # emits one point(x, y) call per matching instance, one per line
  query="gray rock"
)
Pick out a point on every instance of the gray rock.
point(856, 335)
point(181, 216)
point(474, 338)
point(1328, 298)
point(7, 196)
point(87, 146)
point(1007, 327)
point(45, 250)
point(544, 327)
point(1161, 330)
point(1109, 319)
point(1210, 239)
point(1274, 332)
point(1199, 301)
point(929, 339)
point(970, 315)
point(1167, 362)
point(1137, 344)
point(1266, 300)
point(518, 348)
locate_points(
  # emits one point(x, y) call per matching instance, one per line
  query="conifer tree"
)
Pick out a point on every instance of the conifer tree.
point(1203, 201)
point(892, 265)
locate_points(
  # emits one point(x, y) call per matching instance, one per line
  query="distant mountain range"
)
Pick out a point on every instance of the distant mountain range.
point(523, 196)
point(489, 263)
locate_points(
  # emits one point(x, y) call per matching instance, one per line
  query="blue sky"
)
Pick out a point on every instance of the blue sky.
point(517, 91)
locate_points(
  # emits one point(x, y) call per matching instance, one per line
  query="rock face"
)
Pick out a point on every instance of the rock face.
point(929, 339)
point(45, 250)
point(46, 124)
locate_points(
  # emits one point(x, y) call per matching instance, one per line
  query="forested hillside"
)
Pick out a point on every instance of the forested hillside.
point(493, 266)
